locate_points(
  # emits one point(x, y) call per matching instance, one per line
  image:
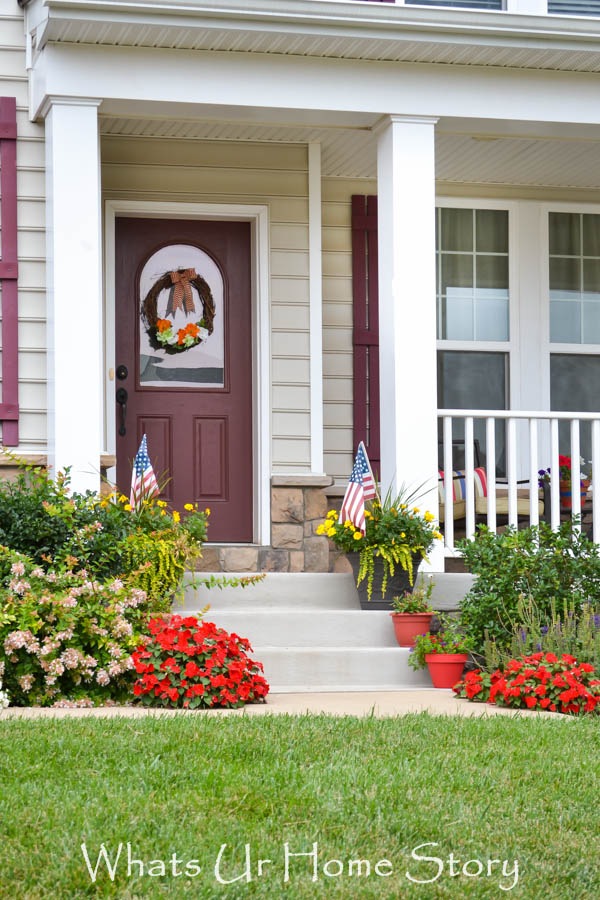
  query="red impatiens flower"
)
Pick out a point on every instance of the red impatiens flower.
point(543, 681)
point(219, 674)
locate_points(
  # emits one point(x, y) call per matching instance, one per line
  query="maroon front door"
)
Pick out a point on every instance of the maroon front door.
point(184, 363)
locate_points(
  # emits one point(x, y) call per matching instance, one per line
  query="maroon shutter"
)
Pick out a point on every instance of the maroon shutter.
point(9, 407)
point(366, 326)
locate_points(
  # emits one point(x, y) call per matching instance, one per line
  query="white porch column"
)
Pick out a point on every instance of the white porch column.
point(407, 316)
point(74, 290)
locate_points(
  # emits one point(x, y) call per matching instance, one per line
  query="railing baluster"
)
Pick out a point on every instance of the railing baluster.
point(596, 480)
point(575, 471)
point(554, 479)
point(490, 455)
point(469, 478)
point(534, 490)
point(448, 485)
point(511, 450)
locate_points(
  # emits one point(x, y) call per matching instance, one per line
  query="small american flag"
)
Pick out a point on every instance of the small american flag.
point(361, 487)
point(143, 480)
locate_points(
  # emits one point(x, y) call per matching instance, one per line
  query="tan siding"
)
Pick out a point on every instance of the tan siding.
point(31, 236)
point(337, 321)
point(228, 172)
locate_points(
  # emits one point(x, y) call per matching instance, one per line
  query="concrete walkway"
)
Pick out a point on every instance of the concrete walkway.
point(380, 704)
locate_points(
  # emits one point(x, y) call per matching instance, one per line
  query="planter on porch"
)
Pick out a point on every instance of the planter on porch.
point(398, 583)
point(565, 493)
point(408, 625)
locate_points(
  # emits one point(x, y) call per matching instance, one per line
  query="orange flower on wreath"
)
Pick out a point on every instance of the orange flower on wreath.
point(190, 329)
point(163, 325)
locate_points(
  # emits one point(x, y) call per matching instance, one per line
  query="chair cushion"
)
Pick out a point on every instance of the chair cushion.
point(459, 486)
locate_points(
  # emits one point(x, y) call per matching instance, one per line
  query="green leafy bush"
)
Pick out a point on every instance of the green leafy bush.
point(151, 546)
point(550, 567)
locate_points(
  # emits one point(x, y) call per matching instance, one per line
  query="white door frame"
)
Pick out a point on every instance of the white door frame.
point(258, 216)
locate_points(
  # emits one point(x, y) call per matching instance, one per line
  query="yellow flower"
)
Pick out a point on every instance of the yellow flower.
point(331, 532)
point(122, 499)
point(207, 511)
point(161, 503)
point(103, 504)
point(403, 506)
point(402, 534)
point(176, 516)
point(437, 535)
point(416, 509)
point(189, 506)
point(321, 529)
point(429, 517)
point(368, 514)
point(127, 507)
point(357, 535)
point(332, 514)
point(163, 512)
point(348, 524)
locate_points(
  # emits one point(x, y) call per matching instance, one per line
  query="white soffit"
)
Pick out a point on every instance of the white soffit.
point(352, 153)
point(347, 30)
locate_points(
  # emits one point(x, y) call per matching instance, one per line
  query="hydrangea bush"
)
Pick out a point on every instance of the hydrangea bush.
point(65, 638)
point(189, 663)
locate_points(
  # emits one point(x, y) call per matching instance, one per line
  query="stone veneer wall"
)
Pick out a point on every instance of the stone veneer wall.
point(298, 507)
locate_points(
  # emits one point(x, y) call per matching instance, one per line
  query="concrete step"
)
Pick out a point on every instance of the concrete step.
point(310, 590)
point(278, 590)
point(308, 628)
point(299, 669)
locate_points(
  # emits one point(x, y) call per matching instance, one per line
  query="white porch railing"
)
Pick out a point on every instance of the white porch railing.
point(531, 443)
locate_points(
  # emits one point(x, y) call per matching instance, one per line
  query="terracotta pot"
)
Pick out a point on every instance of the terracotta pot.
point(445, 668)
point(408, 625)
point(565, 493)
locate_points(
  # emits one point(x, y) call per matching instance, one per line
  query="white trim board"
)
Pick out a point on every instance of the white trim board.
point(258, 216)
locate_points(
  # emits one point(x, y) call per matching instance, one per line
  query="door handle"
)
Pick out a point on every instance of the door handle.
point(121, 398)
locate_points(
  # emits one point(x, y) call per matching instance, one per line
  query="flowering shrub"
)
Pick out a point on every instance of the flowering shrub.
point(449, 639)
point(4, 698)
point(189, 663)
point(395, 531)
point(539, 681)
point(64, 636)
point(564, 471)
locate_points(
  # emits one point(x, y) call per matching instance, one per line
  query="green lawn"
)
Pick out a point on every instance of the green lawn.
point(499, 788)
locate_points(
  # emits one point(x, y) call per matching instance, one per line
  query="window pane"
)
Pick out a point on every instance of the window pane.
point(457, 229)
point(591, 276)
point(564, 234)
point(591, 321)
point(492, 272)
point(457, 272)
point(491, 317)
point(591, 235)
point(459, 316)
point(474, 380)
point(575, 386)
point(492, 230)
point(565, 277)
point(565, 322)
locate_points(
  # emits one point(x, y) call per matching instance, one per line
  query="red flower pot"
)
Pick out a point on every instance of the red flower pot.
point(408, 625)
point(565, 493)
point(445, 668)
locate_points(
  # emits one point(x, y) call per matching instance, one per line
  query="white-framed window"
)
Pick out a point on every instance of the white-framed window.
point(477, 324)
point(572, 290)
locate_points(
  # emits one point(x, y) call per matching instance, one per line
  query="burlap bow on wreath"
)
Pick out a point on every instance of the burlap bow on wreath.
point(179, 282)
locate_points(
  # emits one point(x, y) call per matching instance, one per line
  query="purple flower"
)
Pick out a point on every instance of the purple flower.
point(544, 628)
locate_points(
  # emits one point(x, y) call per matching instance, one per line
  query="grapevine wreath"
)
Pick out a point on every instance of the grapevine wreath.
point(161, 332)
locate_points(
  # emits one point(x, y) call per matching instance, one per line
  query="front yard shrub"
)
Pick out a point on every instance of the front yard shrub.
point(40, 518)
point(66, 638)
point(540, 681)
point(550, 567)
point(190, 663)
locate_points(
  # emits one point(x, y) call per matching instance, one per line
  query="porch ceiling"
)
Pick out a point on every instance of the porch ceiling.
point(472, 153)
point(347, 30)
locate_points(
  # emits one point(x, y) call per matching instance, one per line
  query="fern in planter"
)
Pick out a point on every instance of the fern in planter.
point(396, 532)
